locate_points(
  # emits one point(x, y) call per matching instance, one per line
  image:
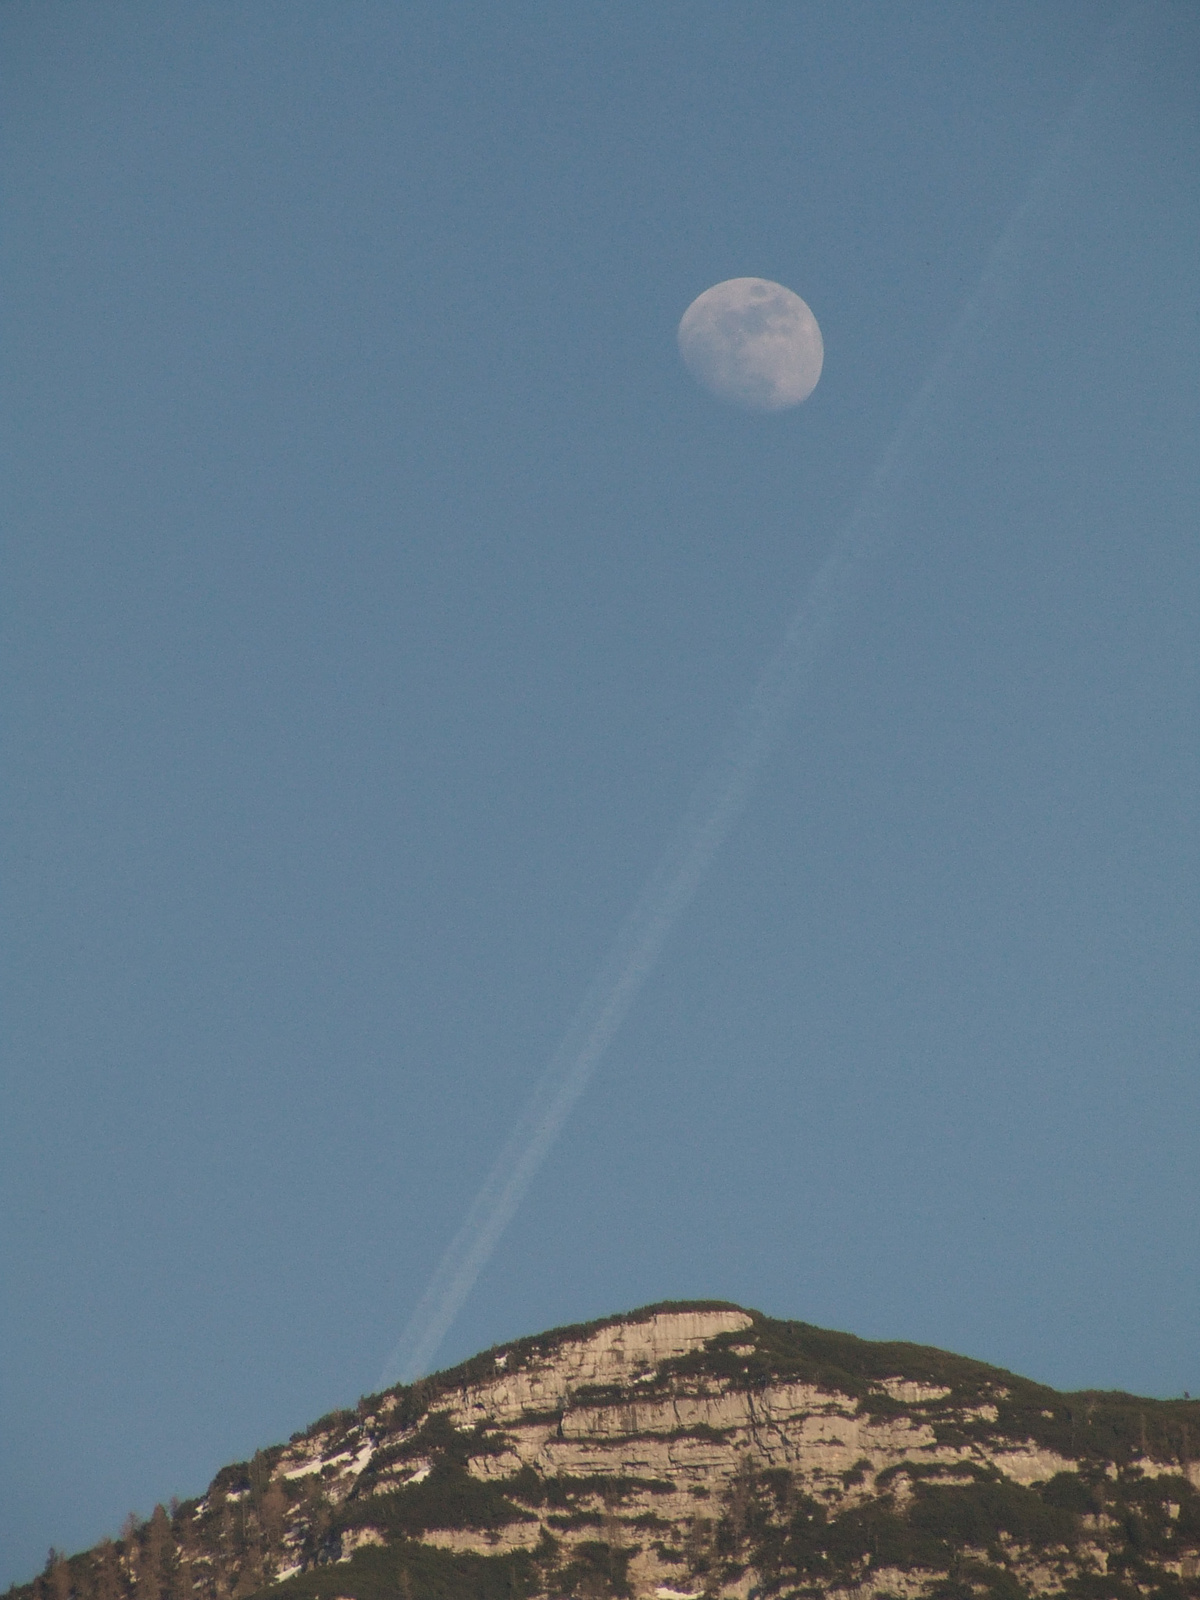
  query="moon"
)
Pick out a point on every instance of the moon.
point(752, 342)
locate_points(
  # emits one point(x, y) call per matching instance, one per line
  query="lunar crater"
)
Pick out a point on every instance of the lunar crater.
point(754, 343)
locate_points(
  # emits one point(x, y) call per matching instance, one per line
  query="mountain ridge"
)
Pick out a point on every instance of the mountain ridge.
point(688, 1449)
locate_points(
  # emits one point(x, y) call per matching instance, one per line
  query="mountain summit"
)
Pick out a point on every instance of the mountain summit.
point(689, 1450)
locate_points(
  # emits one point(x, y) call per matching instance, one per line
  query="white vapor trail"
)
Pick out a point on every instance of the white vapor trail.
point(716, 804)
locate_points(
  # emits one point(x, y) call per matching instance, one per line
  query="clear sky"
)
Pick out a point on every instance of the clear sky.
point(377, 586)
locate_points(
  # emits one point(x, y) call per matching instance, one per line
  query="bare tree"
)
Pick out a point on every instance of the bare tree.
point(273, 1512)
point(154, 1577)
point(59, 1574)
point(107, 1573)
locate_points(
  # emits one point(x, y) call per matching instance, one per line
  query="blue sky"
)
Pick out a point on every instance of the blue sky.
point(377, 587)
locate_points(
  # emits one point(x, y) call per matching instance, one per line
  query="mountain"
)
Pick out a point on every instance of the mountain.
point(688, 1450)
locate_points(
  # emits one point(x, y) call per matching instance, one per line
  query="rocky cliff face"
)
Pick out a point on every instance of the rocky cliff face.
point(695, 1450)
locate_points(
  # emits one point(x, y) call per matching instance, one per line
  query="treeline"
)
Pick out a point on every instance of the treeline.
point(227, 1546)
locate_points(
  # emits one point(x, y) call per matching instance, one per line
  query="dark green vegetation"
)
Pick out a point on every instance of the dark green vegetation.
point(967, 1525)
point(1096, 1424)
point(1092, 1425)
point(416, 1572)
point(967, 1529)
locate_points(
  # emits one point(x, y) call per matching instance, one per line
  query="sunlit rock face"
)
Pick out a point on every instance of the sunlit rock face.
point(696, 1450)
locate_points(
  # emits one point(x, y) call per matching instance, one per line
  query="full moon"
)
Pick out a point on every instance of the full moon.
point(753, 342)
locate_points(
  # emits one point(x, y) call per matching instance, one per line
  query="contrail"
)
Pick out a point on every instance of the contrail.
point(717, 802)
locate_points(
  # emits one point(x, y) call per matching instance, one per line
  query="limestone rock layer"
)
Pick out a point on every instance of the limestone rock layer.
point(689, 1450)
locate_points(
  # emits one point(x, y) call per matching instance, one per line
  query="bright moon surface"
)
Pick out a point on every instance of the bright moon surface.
point(753, 342)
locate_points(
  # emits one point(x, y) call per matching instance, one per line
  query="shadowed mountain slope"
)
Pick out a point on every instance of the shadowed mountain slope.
point(689, 1450)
